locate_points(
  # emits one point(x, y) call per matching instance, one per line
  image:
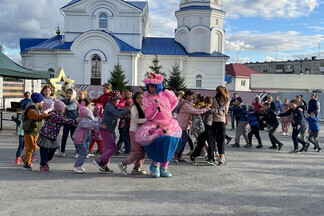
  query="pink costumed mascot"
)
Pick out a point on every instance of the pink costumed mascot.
point(161, 134)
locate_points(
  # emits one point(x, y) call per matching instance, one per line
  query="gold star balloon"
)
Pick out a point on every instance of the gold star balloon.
point(60, 77)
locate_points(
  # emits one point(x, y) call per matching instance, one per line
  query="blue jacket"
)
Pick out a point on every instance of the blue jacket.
point(313, 123)
point(278, 105)
point(253, 119)
point(111, 115)
point(239, 113)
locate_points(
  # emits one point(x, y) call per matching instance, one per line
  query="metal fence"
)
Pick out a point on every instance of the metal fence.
point(306, 97)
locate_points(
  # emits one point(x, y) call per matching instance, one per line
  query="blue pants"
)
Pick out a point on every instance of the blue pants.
point(83, 152)
point(124, 137)
point(295, 138)
point(20, 146)
point(46, 155)
point(88, 141)
point(182, 144)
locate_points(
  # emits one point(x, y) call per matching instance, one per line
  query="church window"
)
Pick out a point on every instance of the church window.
point(52, 72)
point(103, 20)
point(242, 82)
point(96, 70)
point(198, 81)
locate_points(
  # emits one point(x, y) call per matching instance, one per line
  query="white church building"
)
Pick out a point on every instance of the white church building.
point(99, 33)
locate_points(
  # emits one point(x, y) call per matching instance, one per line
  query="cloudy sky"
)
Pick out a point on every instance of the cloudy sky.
point(259, 30)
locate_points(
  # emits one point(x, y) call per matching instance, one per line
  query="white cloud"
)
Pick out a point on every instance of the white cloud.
point(269, 8)
point(265, 42)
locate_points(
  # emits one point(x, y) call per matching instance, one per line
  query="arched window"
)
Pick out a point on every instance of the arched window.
point(198, 81)
point(103, 20)
point(52, 72)
point(95, 70)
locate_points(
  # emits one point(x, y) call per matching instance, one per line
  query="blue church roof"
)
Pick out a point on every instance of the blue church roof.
point(139, 5)
point(168, 46)
point(199, 8)
point(150, 46)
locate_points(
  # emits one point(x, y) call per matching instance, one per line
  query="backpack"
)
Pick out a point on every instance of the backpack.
point(198, 124)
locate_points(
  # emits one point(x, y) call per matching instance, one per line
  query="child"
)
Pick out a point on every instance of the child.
point(123, 128)
point(32, 124)
point(48, 103)
point(207, 135)
point(47, 140)
point(109, 121)
point(81, 135)
point(95, 134)
point(21, 141)
point(314, 128)
point(242, 121)
point(70, 112)
point(126, 95)
point(138, 153)
point(270, 117)
point(253, 119)
point(298, 123)
point(183, 118)
point(285, 119)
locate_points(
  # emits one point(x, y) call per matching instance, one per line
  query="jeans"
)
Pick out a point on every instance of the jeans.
point(46, 155)
point(272, 137)
point(182, 144)
point(313, 137)
point(124, 137)
point(66, 130)
point(82, 151)
point(20, 146)
point(295, 138)
point(88, 141)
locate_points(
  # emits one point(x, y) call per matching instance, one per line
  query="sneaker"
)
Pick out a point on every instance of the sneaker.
point(193, 160)
point(138, 171)
point(190, 152)
point(181, 159)
point(175, 160)
point(295, 151)
point(280, 146)
point(259, 146)
point(90, 154)
point(87, 157)
point(222, 162)
point(248, 146)
point(99, 165)
point(155, 170)
point(319, 149)
point(76, 156)
point(273, 147)
point(44, 169)
point(33, 158)
point(122, 166)
point(27, 167)
point(229, 139)
point(98, 153)
point(284, 134)
point(165, 173)
point(236, 145)
point(315, 148)
point(107, 170)
point(211, 162)
point(61, 154)
point(17, 160)
point(79, 170)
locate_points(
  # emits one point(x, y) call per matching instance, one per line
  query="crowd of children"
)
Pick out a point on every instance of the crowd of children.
point(153, 123)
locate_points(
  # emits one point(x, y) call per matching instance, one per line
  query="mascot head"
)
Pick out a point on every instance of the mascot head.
point(155, 81)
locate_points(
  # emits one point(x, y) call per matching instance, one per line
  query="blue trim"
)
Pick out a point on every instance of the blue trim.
point(96, 50)
point(199, 8)
point(138, 5)
point(71, 3)
point(103, 8)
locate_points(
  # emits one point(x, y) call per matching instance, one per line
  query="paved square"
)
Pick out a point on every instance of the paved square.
point(256, 182)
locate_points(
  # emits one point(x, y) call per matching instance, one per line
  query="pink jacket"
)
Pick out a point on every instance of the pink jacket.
point(82, 131)
point(184, 113)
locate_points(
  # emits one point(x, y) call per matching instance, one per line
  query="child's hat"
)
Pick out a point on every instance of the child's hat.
point(153, 78)
point(83, 111)
point(59, 106)
point(37, 98)
point(114, 95)
point(239, 99)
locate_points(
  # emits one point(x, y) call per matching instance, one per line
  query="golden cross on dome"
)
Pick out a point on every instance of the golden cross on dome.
point(60, 77)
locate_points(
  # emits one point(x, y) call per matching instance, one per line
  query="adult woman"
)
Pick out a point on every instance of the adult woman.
point(220, 102)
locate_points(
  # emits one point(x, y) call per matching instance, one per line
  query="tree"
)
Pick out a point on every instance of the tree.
point(175, 80)
point(157, 69)
point(118, 78)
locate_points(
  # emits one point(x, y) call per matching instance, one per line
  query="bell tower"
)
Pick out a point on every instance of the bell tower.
point(200, 26)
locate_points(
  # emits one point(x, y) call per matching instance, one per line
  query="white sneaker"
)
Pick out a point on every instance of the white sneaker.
point(61, 154)
point(87, 156)
point(76, 156)
point(284, 134)
point(79, 170)
point(122, 168)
